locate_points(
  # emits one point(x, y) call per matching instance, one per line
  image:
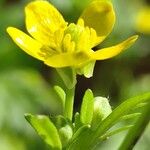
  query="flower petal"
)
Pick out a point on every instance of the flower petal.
point(42, 20)
point(100, 16)
point(67, 59)
point(25, 42)
point(142, 23)
point(109, 52)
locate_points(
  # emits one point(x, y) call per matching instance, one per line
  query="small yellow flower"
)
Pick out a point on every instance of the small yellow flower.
point(60, 44)
point(143, 20)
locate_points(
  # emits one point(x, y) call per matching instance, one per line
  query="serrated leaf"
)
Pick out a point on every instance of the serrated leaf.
point(87, 107)
point(68, 76)
point(46, 129)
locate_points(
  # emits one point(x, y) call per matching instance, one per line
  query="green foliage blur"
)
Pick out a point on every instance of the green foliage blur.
point(26, 83)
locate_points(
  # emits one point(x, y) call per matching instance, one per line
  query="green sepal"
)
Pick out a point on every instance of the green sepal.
point(87, 107)
point(45, 129)
point(68, 75)
point(87, 70)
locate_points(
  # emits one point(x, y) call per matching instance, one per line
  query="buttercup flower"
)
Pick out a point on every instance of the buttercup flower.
point(143, 20)
point(61, 44)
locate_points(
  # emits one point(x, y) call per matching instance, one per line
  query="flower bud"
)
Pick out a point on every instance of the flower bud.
point(65, 134)
point(102, 109)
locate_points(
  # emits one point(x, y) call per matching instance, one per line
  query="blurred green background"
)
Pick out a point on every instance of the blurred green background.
point(26, 83)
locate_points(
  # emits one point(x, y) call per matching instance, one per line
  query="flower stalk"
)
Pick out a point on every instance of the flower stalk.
point(69, 103)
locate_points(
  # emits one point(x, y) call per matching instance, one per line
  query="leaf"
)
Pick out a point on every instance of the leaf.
point(68, 76)
point(79, 139)
point(87, 107)
point(90, 138)
point(111, 133)
point(77, 123)
point(59, 121)
point(121, 110)
point(64, 127)
point(61, 93)
point(25, 90)
point(136, 131)
point(46, 129)
point(130, 116)
point(141, 105)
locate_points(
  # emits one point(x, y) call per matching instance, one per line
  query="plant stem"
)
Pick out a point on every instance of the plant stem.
point(136, 131)
point(68, 111)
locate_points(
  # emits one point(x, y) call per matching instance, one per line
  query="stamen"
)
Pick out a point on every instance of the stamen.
point(47, 51)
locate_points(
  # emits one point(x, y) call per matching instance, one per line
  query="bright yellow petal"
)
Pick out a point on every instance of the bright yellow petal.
point(25, 42)
point(142, 23)
point(67, 59)
point(109, 52)
point(42, 20)
point(100, 16)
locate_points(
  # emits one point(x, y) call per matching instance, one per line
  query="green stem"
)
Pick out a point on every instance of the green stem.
point(136, 131)
point(69, 103)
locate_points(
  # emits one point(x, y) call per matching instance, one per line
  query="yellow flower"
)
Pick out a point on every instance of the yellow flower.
point(143, 20)
point(60, 44)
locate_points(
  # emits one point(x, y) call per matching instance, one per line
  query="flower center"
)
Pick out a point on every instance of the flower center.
point(74, 38)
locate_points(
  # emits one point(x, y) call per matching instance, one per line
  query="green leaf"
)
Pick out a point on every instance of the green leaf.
point(68, 76)
point(90, 138)
point(59, 121)
point(111, 133)
point(79, 139)
point(77, 123)
point(137, 130)
point(130, 116)
point(61, 93)
point(87, 107)
point(64, 127)
point(120, 111)
point(141, 105)
point(46, 129)
point(25, 90)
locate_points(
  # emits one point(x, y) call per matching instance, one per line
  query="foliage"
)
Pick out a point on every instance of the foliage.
point(22, 89)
